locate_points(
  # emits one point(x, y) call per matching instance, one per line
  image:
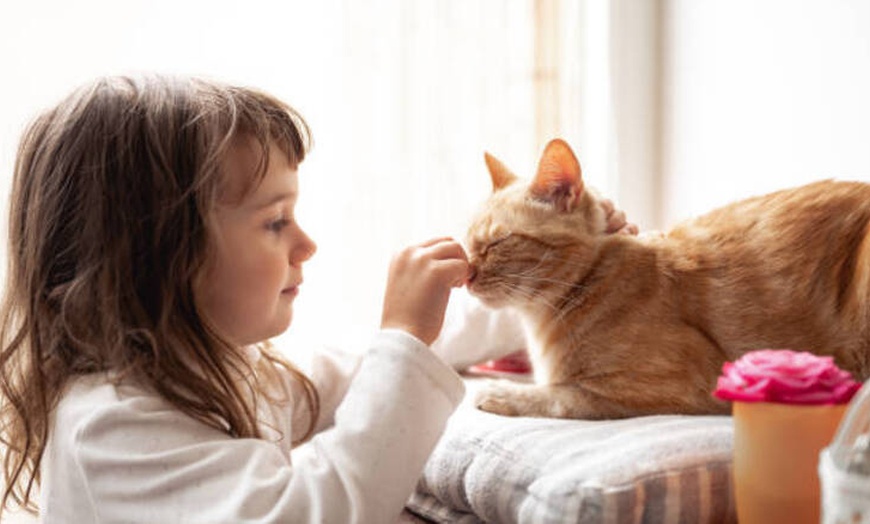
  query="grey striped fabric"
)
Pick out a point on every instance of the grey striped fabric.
point(661, 469)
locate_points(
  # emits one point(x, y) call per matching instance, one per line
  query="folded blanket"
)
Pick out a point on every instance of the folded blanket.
point(489, 468)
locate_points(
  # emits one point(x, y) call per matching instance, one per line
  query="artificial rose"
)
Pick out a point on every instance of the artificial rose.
point(787, 377)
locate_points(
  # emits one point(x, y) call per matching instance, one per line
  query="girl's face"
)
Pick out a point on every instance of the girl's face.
point(248, 287)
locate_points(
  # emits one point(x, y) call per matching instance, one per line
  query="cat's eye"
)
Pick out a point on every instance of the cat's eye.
point(492, 243)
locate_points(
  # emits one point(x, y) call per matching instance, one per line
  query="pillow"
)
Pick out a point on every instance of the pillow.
point(491, 468)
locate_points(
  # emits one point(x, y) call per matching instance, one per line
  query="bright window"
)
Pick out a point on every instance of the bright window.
point(403, 98)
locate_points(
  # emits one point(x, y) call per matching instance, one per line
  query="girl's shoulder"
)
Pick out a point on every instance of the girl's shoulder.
point(92, 396)
point(106, 389)
point(100, 410)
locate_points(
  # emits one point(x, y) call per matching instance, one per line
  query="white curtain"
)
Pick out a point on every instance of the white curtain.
point(427, 86)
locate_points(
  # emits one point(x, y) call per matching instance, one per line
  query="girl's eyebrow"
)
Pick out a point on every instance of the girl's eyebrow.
point(287, 195)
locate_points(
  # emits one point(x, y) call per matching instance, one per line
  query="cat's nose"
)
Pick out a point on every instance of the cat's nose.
point(472, 273)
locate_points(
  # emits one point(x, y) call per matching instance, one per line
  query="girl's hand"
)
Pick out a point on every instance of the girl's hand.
point(419, 284)
point(616, 221)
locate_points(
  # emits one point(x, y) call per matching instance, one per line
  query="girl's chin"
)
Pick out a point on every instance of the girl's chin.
point(279, 327)
point(285, 325)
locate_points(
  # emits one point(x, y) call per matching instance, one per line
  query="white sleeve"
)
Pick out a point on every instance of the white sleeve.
point(474, 333)
point(331, 370)
point(142, 461)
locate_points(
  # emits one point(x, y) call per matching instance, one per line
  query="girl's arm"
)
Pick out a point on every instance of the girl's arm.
point(120, 453)
point(389, 422)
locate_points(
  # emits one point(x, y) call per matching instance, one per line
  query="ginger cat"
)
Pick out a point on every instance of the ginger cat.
point(626, 326)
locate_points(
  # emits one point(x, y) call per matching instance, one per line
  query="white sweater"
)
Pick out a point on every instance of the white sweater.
point(123, 454)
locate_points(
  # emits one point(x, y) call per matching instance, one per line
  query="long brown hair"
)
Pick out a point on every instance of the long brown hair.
point(109, 208)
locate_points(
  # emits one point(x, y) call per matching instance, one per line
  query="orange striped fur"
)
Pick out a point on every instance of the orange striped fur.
point(626, 326)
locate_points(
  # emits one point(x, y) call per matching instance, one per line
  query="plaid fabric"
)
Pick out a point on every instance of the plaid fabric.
point(668, 469)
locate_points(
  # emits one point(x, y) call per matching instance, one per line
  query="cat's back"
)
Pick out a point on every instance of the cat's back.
point(790, 267)
point(826, 203)
point(824, 220)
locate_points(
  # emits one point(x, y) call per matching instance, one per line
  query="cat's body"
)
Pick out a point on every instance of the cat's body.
point(626, 326)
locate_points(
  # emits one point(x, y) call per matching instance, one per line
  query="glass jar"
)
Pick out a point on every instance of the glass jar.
point(844, 466)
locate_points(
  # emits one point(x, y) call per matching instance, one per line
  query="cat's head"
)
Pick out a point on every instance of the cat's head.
point(532, 240)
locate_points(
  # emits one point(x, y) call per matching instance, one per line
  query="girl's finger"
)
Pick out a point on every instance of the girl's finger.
point(454, 271)
point(447, 250)
point(616, 221)
point(433, 241)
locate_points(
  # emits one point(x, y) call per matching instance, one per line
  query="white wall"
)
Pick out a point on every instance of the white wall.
point(759, 95)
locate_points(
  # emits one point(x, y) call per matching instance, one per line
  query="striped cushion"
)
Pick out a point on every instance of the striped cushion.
point(649, 469)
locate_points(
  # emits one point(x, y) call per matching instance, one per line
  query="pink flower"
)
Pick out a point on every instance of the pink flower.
point(787, 377)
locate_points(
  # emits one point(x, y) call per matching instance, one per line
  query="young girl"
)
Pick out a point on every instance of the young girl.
point(153, 252)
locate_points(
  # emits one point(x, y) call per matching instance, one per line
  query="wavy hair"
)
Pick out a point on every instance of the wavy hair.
point(111, 198)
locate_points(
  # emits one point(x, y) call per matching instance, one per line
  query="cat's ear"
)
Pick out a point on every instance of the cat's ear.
point(501, 175)
point(559, 179)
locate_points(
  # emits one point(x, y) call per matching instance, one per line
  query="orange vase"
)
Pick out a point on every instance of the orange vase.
point(776, 457)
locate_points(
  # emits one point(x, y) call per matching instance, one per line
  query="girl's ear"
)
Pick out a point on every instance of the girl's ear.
point(559, 178)
point(501, 176)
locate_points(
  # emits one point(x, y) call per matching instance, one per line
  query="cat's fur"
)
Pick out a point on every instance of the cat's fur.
point(626, 326)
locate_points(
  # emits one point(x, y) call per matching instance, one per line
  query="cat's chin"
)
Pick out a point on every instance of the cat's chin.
point(490, 301)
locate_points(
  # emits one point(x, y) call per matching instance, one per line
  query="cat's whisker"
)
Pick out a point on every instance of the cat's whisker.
point(524, 291)
point(564, 262)
point(571, 263)
point(563, 308)
point(530, 294)
point(546, 256)
point(568, 307)
point(564, 283)
point(537, 295)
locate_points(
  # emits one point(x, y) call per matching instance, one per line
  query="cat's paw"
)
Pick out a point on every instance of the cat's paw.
point(498, 398)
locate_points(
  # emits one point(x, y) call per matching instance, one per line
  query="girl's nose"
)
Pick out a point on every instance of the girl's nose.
point(310, 249)
point(304, 249)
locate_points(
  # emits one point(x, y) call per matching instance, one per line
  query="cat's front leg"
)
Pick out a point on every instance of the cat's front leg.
point(501, 397)
point(508, 398)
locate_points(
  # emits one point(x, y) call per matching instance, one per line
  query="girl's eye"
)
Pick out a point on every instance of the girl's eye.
point(276, 226)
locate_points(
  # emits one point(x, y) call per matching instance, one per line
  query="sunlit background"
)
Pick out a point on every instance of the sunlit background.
point(673, 106)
